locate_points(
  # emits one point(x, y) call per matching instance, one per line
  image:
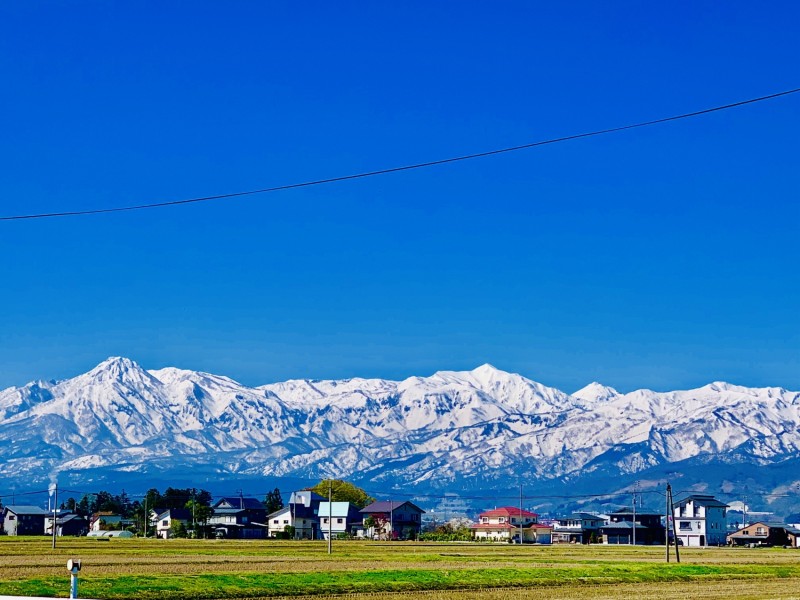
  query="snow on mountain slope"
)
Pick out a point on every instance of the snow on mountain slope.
point(484, 424)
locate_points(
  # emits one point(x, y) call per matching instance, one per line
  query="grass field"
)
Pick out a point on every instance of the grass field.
point(178, 569)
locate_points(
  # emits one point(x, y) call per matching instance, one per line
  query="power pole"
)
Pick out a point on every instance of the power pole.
point(194, 521)
point(330, 515)
point(674, 528)
point(55, 508)
point(634, 515)
point(391, 520)
point(520, 514)
point(145, 516)
point(744, 511)
point(666, 521)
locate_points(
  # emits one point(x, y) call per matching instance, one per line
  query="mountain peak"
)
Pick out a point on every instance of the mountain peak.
point(118, 368)
point(486, 369)
point(596, 392)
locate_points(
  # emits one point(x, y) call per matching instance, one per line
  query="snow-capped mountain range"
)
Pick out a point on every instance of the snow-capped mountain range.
point(470, 428)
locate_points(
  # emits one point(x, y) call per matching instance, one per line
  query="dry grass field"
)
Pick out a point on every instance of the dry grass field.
point(184, 569)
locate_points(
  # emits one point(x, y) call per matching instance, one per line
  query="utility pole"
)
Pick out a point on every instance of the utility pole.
point(744, 511)
point(520, 514)
point(194, 521)
point(666, 521)
point(55, 508)
point(391, 520)
point(330, 515)
point(634, 513)
point(674, 528)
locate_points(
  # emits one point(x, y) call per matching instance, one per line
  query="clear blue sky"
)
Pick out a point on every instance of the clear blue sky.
point(664, 257)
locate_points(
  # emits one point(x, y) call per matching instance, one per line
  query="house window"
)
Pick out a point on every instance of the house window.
point(501, 520)
point(484, 519)
point(276, 521)
point(340, 521)
point(165, 523)
point(324, 519)
point(760, 531)
point(286, 521)
point(685, 525)
point(11, 517)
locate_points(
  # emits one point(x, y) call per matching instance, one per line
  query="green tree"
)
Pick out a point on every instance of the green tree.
point(273, 501)
point(201, 514)
point(177, 529)
point(343, 491)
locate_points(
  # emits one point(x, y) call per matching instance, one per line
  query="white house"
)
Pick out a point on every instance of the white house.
point(338, 518)
point(577, 528)
point(701, 520)
point(170, 516)
point(300, 513)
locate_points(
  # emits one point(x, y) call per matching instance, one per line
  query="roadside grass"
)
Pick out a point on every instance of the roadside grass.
point(199, 569)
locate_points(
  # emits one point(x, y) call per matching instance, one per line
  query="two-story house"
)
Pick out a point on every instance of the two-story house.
point(629, 526)
point(23, 520)
point(169, 518)
point(392, 520)
point(239, 518)
point(300, 515)
point(67, 524)
point(764, 533)
point(507, 524)
point(700, 520)
point(577, 528)
point(338, 518)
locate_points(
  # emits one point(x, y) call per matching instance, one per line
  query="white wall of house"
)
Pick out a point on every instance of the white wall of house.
point(700, 525)
point(304, 527)
point(333, 518)
point(164, 526)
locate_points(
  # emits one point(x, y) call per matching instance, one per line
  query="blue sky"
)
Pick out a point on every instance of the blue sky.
point(663, 257)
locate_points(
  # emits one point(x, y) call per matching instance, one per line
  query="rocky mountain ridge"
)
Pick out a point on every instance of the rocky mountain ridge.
point(449, 430)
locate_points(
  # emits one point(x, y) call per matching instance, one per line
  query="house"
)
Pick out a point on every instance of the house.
point(638, 526)
point(170, 517)
point(67, 524)
point(239, 518)
point(300, 514)
point(338, 518)
point(392, 520)
point(766, 533)
point(23, 520)
point(104, 520)
point(700, 520)
point(577, 528)
point(506, 524)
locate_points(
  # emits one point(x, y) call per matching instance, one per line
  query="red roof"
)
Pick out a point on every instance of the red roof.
point(508, 511)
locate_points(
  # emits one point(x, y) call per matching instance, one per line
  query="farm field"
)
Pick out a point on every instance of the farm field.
point(184, 569)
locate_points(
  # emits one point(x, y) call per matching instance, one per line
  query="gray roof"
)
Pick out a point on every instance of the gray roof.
point(385, 506)
point(702, 500)
point(582, 516)
point(240, 503)
point(22, 509)
point(623, 525)
point(639, 511)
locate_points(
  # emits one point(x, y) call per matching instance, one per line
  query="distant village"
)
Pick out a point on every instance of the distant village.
point(697, 520)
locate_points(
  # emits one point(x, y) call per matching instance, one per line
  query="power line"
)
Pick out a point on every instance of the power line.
point(75, 213)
